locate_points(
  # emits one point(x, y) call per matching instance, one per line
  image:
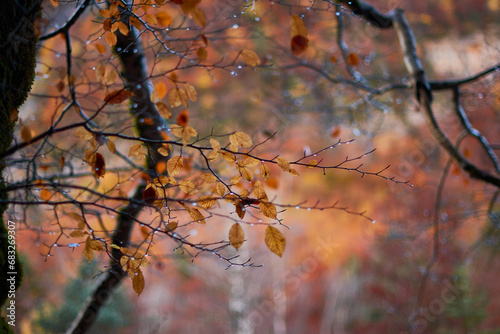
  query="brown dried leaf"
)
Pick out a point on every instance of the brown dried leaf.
point(275, 240)
point(250, 57)
point(236, 236)
point(174, 165)
point(283, 163)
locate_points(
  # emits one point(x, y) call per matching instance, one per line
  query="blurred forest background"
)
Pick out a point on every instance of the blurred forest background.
point(340, 273)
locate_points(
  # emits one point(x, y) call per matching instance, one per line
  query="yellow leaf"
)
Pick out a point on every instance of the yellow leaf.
point(297, 27)
point(137, 151)
point(87, 251)
point(174, 165)
point(26, 134)
point(196, 215)
point(259, 191)
point(206, 201)
point(185, 132)
point(163, 110)
point(173, 97)
point(283, 163)
point(275, 240)
point(162, 180)
point(268, 209)
point(208, 178)
point(110, 76)
point(215, 144)
point(312, 163)
point(241, 139)
point(250, 162)
point(228, 156)
point(220, 188)
point(188, 186)
point(183, 96)
point(236, 236)
point(138, 282)
point(246, 173)
point(105, 13)
point(212, 155)
point(235, 180)
point(266, 172)
point(96, 245)
point(250, 57)
point(191, 92)
point(163, 151)
point(199, 17)
point(293, 172)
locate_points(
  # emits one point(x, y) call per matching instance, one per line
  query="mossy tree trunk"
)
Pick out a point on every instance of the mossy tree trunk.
point(17, 70)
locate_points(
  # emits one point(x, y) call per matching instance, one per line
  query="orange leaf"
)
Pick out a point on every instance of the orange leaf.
point(26, 134)
point(183, 118)
point(161, 89)
point(352, 59)
point(45, 194)
point(191, 92)
point(174, 165)
point(164, 19)
point(283, 163)
point(111, 39)
point(138, 282)
point(101, 48)
point(199, 17)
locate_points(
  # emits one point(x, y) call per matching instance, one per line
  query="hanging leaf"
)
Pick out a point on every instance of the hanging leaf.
point(117, 96)
point(275, 240)
point(101, 48)
point(138, 282)
point(137, 151)
point(99, 166)
point(161, 89)
point(111, 38)
point(283, 163)
point(268, 210)
point(297, 27)
point(202, 53)
point(191, 92)
point(265, 172)
point(228, 156)
point(299, 44)
point(149, 195)
point(188, 186)
point(240, 209)
point(26, 134)
point(45, 194)
point(196, 215)
point(163, 110)
point(241, 139)
point(312, 163)
point(198, 17)
point(87, 251)
point(208, 178)
point(236, 236)
point(163, 19)
point(183, 118)
point(206, 202)
point(353, 59)
point(215, 144)
point(174, 165)
point(220, 188)
point(250, 57)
